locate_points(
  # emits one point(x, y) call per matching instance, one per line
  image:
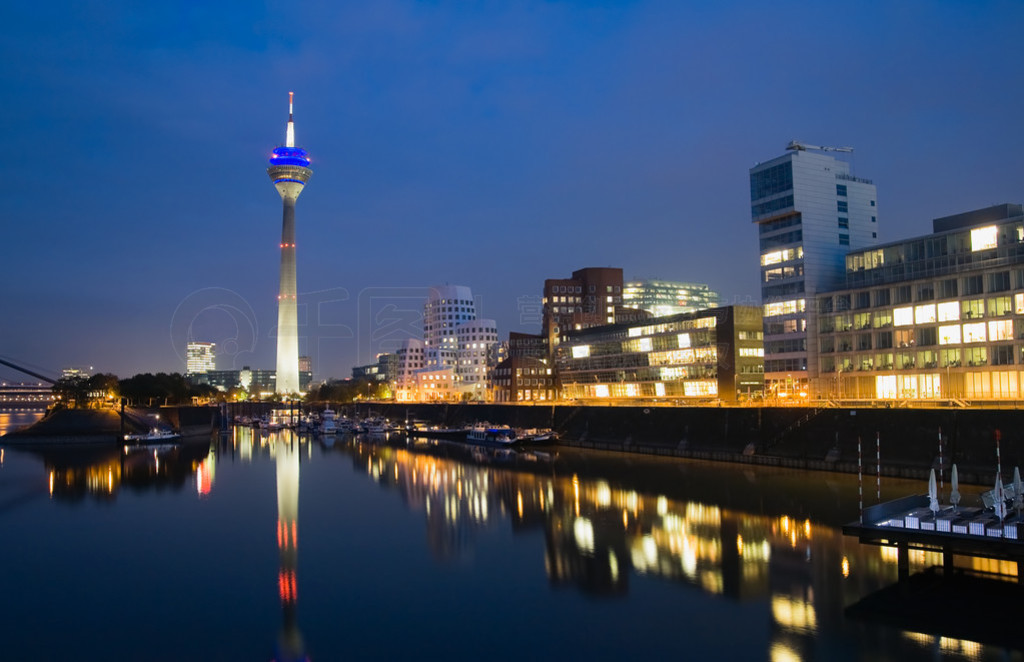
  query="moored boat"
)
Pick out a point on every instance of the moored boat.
point(492, 435)
point(154, 436)
point(534, 436)
point(328, 424)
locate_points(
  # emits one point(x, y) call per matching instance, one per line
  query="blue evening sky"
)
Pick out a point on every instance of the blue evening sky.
point(488, 144)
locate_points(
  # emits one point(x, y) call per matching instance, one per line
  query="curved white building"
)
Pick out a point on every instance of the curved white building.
point(456, 353)
point(476, 340)
point(447, 307)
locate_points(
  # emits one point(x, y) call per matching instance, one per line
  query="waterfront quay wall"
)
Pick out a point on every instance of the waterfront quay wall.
point(798, 437)
point(105, 426)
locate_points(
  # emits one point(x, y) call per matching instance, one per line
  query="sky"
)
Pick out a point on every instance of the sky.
point(487, 144)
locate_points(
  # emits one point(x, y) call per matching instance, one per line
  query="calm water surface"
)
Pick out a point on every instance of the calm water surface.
point(274, 547)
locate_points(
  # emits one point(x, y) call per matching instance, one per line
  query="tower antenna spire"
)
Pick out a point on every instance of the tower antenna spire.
point(290, 136)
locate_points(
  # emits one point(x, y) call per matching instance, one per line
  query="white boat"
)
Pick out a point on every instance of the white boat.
point(534, 436)
point(493, 435)
point(328, 426)
point(154, 436)
point(375, 426)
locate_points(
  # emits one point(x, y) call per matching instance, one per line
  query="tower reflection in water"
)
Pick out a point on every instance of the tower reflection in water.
point(598, 535)
point(286, 449)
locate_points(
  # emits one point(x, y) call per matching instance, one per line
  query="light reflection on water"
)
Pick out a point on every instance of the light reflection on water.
point(615, 530)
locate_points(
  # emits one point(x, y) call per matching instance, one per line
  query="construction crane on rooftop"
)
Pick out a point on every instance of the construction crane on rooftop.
point(800, 147)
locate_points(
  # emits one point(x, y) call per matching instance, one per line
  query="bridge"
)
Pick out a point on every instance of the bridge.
point(25, 395)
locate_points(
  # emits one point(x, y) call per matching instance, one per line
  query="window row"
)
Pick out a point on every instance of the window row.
point(948, 334)
point(1001, 281)
point(948, 311)
point(924, 359)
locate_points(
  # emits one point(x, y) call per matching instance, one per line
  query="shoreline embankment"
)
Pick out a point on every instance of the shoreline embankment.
point(91, 427)
point(895, 442)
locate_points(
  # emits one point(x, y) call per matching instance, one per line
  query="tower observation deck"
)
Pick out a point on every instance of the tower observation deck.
point(289, 170)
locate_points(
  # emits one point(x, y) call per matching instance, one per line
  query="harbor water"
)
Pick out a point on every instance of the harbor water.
point(270, 546)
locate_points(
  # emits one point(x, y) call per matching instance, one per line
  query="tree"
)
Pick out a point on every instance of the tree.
point(161, 388)
point(72, 391)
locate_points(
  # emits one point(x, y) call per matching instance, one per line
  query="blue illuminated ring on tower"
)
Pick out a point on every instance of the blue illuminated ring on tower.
point(293, 156)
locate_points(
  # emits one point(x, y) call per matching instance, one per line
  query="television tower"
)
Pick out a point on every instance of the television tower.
point(289, 168)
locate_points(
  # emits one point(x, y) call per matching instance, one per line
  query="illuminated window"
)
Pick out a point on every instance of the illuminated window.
point(659, 388)
point(882, 319)
point(903, 316)
point(1000, 330)
point(581, 351)
point(1004, 385)
point(751, 351)
point(929, 386)
point(601, 390)
point(700, 388)
point(950, 311)
point(974, 332)
point(783, 308)
point(949, 335)
point(997, 306)
point(785, 255)
point(669, 374)
point(684, 340)
point(984, 238)
point(924, 314)
point(1018, 304)
point(885, 387)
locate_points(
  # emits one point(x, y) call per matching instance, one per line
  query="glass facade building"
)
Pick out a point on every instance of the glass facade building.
point(713, 354)
point(662, 297)
point(933, 317)
point(809, 211)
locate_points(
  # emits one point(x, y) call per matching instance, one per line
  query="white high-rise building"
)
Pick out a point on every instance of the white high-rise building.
point(456, 349)
point(447, 307)
point(810, 212)
point(477, 339)
point(200, 357)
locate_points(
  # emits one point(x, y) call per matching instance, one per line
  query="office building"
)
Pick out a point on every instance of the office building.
point(592, 297)
point(76, 372)
point(305, 373)
point(662, 297)
point(200, 357)
point(289, 170)
point(524, 379)
point(383, 370)
point(586, 299)
point(939, 316)
point(709, 355)
point(810, 211)
point(261, 383)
